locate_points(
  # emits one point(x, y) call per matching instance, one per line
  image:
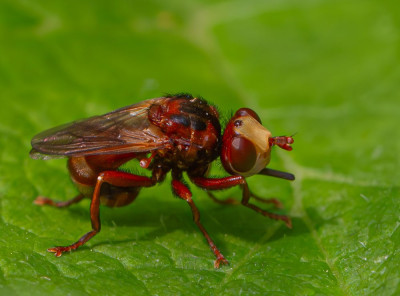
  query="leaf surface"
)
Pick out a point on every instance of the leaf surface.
point(327, 70)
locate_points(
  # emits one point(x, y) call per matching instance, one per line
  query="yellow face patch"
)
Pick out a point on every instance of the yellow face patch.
point(252, 130)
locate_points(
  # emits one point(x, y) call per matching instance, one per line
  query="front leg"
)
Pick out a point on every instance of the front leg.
point(230, 201)
point(116, 178)
point(228, 182)
point(245, 201)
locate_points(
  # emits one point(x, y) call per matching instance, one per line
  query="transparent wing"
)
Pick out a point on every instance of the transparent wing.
point(124, 130)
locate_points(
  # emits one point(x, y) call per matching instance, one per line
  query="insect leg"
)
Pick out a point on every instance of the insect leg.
point(184, 193)
point(276, 174)
point(276, 202)
point(245, 201)
point(227, 182)
point(115, 178)
point(231, 201)
point(41, 201)
point(218, 183)
point(228, 201)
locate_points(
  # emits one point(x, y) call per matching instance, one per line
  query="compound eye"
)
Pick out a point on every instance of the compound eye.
point(243, 155)
point(247, 112)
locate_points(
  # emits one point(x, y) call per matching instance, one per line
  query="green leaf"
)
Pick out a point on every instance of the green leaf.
point(327, 70)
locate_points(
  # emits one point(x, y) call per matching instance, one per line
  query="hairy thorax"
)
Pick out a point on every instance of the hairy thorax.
point(194, 132)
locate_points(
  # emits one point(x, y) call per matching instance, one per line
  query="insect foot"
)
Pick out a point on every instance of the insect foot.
point(220, 259)
point(287, 221)
point(40, 201)
point(58, 251)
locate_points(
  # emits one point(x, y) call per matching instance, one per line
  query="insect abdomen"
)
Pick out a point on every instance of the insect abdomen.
point(113, 196)
point(85, 170)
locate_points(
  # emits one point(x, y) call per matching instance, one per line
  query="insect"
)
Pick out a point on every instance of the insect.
point(176, 133)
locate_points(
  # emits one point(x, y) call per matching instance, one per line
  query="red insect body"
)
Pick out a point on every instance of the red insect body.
point(182, 134)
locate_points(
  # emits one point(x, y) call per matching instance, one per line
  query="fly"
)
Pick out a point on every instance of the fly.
point(176, 134)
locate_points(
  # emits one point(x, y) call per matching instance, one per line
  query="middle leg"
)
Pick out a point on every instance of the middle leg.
point(184, 193)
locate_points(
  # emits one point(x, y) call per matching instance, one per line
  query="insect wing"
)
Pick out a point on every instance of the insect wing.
point(122, 131)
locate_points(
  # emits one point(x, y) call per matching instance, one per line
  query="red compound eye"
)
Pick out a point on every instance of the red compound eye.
point(243, 155)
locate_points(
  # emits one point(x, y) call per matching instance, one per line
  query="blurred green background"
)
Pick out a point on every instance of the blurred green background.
point(328, 70)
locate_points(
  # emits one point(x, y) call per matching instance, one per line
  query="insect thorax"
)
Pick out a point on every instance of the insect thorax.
point(193, 128)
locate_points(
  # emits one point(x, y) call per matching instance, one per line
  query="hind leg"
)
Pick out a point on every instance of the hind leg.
point(115, 178)
point(41, 201)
